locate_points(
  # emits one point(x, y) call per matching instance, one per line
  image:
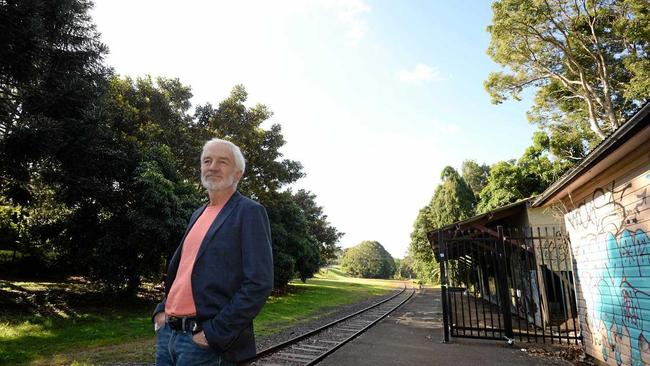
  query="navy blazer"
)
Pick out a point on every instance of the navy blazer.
point(232, 275)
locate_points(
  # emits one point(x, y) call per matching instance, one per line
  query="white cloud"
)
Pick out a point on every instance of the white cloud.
point(350, 14)
point(446, 128)
point(421, 73)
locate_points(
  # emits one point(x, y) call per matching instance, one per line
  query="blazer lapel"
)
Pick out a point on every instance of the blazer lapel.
point(221, 218)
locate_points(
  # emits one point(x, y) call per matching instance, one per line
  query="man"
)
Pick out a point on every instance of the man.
point(221, 274)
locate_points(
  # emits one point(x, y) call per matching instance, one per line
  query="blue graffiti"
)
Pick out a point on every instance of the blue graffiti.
point(624, 294)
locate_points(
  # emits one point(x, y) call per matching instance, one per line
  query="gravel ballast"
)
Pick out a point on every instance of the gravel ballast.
point(330, 314)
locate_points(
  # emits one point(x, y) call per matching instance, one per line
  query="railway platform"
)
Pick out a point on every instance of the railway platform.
point(413, 336)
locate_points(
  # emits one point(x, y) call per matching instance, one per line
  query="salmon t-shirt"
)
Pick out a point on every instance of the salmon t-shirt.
point(180, 301)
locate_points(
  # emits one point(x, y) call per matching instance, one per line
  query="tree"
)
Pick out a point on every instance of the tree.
point(404, 268)
point(303, 239)
point(320, 230)
point(99, 174)
point(505, 185)
point(232, 120)
point(511, 181)
point(294, 254)
point(51, 82)
point(424, 261)
point(452, 201)
point(475, 176)
point(368, 259)
point(137, 188)
point(588, 60)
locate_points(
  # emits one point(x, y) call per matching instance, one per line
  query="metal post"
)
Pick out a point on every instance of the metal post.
point(443, 285)
point(504, 290)
point(577, 328)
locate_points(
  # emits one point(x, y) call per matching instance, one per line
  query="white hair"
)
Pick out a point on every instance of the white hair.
point(240, 162)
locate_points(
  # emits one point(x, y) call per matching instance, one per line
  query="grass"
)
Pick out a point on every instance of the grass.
point(54, 323)
point(312, 299)
point(43, 322)
point(39, 341)
point(6, 255)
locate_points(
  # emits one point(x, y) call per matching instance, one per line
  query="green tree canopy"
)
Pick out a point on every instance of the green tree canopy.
point(475, 175)
point(320, 230)
point(294, 254)
point(404, 268)
point(99, 174)
point(452, 201)
point(587, 59)
point(122, 206)
point(511, 181)
point(303, 239)
point(51, 81)
point(266, 171)
point(368, 259)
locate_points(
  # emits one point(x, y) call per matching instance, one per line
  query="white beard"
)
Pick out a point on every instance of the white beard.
point(216, 186)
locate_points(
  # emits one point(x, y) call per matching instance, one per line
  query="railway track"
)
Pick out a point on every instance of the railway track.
point(312, 347)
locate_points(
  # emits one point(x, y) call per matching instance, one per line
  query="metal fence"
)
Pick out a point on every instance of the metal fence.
point(508, 284)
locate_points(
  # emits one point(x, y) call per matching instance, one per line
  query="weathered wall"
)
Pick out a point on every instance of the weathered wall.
point(608, 222)
point(545, 217)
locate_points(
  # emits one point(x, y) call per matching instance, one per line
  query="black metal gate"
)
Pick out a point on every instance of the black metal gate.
point(508, 284)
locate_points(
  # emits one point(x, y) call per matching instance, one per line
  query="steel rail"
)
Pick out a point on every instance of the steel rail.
point(284, 345)
point(330, 351)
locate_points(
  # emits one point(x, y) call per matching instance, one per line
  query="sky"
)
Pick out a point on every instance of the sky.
point(374, 98)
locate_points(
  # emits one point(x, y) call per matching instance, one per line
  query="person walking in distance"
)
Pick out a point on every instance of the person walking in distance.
point(220, 276)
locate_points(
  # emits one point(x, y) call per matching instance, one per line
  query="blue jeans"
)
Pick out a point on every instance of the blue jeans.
point(176, 348)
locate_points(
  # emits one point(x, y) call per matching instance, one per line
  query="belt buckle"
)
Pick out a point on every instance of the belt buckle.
point(184, 324)
point(175, 323)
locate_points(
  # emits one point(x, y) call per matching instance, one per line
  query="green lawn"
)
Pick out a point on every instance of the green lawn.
point(66, 334)
point(312, 299)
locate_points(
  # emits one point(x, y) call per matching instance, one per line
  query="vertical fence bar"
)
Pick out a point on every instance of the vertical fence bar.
point(530, 296)
point(576, 331)
point(568, 307)
point(461, 280)
point(540, 247)
point(502, 273)
point(442, 247)
point(475, 280)
point(522, 311)
point(489, 252)
point(468, 266)
point(550, 262)
point(497, 291)
point(511, 280)
point(454, 282)
point(515, 273)
point(481, 279)
point(558, 260)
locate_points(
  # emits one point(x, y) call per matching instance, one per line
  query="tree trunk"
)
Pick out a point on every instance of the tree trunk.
point(593, 121)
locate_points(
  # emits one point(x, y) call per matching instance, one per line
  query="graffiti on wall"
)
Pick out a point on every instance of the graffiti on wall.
point(605, 211)
point(611, 247)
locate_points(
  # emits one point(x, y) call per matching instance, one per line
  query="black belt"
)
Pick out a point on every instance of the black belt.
point(185, 324)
